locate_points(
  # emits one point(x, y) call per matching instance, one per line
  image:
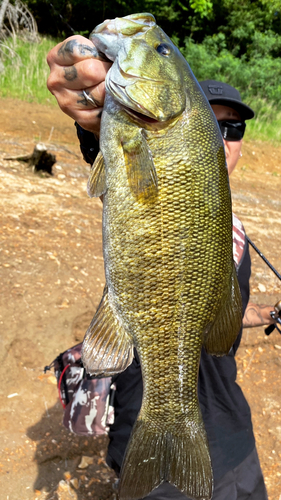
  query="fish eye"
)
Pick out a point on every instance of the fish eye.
point(163, 49)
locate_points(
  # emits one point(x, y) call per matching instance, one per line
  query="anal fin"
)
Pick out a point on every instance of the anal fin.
point(222, 333)
point(107, 348)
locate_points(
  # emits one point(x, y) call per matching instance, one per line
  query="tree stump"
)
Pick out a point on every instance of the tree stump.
point(39, 159)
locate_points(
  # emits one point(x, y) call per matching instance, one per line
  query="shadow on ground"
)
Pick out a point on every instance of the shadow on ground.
point(58, 455)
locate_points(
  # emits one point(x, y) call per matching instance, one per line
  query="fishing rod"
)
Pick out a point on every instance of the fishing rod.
point(264, 258)
point(276, 313)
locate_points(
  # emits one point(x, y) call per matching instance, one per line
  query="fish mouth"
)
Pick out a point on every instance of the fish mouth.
point(139, 116)
point(118, 92)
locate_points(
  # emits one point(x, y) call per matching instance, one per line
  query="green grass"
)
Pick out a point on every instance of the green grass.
point(264, 129)
point(266, 126)
point(26, 71)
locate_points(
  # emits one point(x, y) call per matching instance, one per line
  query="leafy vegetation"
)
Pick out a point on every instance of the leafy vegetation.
point(258, 79)
point(235, 42)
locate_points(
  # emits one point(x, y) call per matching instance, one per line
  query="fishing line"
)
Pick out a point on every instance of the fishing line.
point(264, 258)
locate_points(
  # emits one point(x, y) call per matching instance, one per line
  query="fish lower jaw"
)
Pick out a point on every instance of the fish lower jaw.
point(139, 116)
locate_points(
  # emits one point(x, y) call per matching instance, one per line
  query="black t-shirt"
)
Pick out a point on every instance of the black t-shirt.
point(225, 411)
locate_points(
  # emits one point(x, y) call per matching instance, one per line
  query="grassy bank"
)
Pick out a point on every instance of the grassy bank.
point(266, 126)
point(26, 72)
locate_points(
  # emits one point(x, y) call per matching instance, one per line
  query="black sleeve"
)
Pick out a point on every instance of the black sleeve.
point(89, 144)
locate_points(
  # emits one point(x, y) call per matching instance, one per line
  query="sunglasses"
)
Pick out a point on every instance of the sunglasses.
point(232, 130)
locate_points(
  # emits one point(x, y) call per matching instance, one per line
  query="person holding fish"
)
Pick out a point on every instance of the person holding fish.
point(178, 464)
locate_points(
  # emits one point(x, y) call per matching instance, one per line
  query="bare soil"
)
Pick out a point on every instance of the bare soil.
point(51, 283)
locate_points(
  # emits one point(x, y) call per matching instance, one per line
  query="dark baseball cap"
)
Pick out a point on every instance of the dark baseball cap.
point(222, 93)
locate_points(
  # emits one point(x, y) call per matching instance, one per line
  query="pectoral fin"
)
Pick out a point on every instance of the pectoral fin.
point(107, 348)
point(222, 332)
point(141, 171)
point(97, 183)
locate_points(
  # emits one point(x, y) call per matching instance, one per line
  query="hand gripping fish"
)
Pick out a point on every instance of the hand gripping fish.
point(171, 286)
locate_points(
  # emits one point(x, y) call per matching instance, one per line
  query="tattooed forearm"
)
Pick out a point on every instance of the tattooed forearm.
point(70, 73)
point(257, 315)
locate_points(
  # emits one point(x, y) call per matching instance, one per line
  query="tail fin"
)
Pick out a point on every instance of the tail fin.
point(154, 456)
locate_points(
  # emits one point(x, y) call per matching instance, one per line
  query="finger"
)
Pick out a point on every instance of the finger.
point(74, 104)
point(76, 100)
point(90, 121)
point(90, 99)
point(84, 74)
point(68, 98)
point(72, 50)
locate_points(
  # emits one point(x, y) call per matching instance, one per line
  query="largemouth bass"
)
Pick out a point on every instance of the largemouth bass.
point(171, 286)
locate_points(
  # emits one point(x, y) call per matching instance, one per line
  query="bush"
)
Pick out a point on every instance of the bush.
point(258, 79)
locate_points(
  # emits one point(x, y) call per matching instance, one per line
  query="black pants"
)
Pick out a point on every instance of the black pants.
point(245, 482)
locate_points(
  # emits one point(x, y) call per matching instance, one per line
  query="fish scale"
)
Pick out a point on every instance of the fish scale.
point(171, 287)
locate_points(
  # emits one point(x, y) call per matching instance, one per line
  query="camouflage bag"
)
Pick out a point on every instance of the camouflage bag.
point(87, 401)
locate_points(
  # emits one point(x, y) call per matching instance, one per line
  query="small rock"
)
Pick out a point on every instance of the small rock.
point(85, 462)
point(65, 492)
point(75, 483)
point(52, 380)
point(261, 287)
point(67, 475)
point(40, 494)
point(62, 486)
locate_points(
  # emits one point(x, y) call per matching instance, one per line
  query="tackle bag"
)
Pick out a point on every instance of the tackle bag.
point(87, 400)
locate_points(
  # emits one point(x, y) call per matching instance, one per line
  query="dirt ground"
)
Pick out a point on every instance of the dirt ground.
point(51, 282)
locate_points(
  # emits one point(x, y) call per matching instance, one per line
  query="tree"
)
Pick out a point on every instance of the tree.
point(15, 19)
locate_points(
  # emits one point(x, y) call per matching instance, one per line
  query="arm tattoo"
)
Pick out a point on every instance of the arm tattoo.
point(70, 73)
point(256, 315)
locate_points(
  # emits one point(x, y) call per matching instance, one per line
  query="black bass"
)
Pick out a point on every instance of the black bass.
point(171, 286)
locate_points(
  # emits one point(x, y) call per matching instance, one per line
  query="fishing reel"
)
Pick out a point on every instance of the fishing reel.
point(276, 315)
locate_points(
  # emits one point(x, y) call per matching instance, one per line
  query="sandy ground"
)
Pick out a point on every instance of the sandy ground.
point(51, 282)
